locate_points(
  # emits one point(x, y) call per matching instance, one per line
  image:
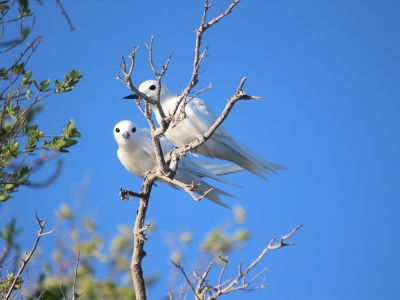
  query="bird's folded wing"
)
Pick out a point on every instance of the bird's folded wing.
point(203, 117)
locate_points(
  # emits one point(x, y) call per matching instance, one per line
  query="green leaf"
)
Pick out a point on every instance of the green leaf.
point(18, 69)
point(242, 235)
point(26, 81)
point(14, 146)
point(23, 8)
point(9, 186)
point(31, 144)
point(4, 74)
point(70, 80)
point(3, 7)
point(44, 84)
point(31, 130)
point(24, 171)
point(4, 197)
point(40, 134)
point(12, 110)
point(70, 131)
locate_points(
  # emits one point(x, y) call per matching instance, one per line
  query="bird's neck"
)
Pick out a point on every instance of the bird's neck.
point(167, 104)
point(127, 147)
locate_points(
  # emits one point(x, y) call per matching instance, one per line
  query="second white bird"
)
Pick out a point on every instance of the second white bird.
point(198, 119)
point(137, 154)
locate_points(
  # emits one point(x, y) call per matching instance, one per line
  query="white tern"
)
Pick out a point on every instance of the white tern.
point(137, 155)
point(197, 121)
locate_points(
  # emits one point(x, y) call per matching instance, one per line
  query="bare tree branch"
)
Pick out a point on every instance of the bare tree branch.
point(127, 80)
point(75, 294)
point(167, 165)
point(198, 54)
point(190, 189)
point(28, 256)
point(67, 17)
point(139, 237)
point(201, 279)
point(159, 75)
point(239, 95)
point(64, 297)
point(42, 294)
point(167, 120)
point(155, 132)
point(49, 180)
point(180, 267)
point(204, 290)
point(126, 194)
point(5, 251)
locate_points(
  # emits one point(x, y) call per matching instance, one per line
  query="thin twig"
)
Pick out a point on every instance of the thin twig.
point(28, 256)
point(62, 292)
point(5, 251)
point(180, 267)
point(190, 189)
point(67, 17)
point(49, 180)
point(42, 294)
point(75, 294)
point(239, 95)
point(225, 262)
point(242, 274)
point(201, 279)
point(198, 54)
point(155, 132)
point(126, 194)
point(204, 290)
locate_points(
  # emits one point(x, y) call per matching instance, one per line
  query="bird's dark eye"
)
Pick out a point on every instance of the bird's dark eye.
point(117, 129)
point(152, 87)
point(134, 129)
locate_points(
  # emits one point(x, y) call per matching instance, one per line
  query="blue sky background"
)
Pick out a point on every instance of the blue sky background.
point(329, 72)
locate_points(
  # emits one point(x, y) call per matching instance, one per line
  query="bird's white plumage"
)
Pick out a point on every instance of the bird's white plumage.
point(197, 121)
point(137, 154)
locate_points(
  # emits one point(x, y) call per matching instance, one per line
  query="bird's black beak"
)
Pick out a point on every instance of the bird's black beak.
point(133, 96)
point(125, 135)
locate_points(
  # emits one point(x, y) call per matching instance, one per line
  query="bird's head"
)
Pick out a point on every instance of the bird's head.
point(150, 88)
point(125, 133)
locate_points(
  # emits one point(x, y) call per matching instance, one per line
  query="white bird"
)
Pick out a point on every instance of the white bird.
point(136, 153)
point(197, 121)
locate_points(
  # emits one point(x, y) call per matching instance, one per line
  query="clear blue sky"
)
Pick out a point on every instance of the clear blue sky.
point(329, 72)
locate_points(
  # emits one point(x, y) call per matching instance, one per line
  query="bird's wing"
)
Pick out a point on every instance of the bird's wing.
point(220, 168)
point(202, 116)
point(196, 168)
point(146, 143)
point(200, 113)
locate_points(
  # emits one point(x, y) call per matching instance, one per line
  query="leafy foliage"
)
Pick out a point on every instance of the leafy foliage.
point(21, 98)
point(22, 15)
point(225, 239)
point(8, 232)
point(56, 272)
point(23, 144)
point(20, 137)
point(75, 232)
